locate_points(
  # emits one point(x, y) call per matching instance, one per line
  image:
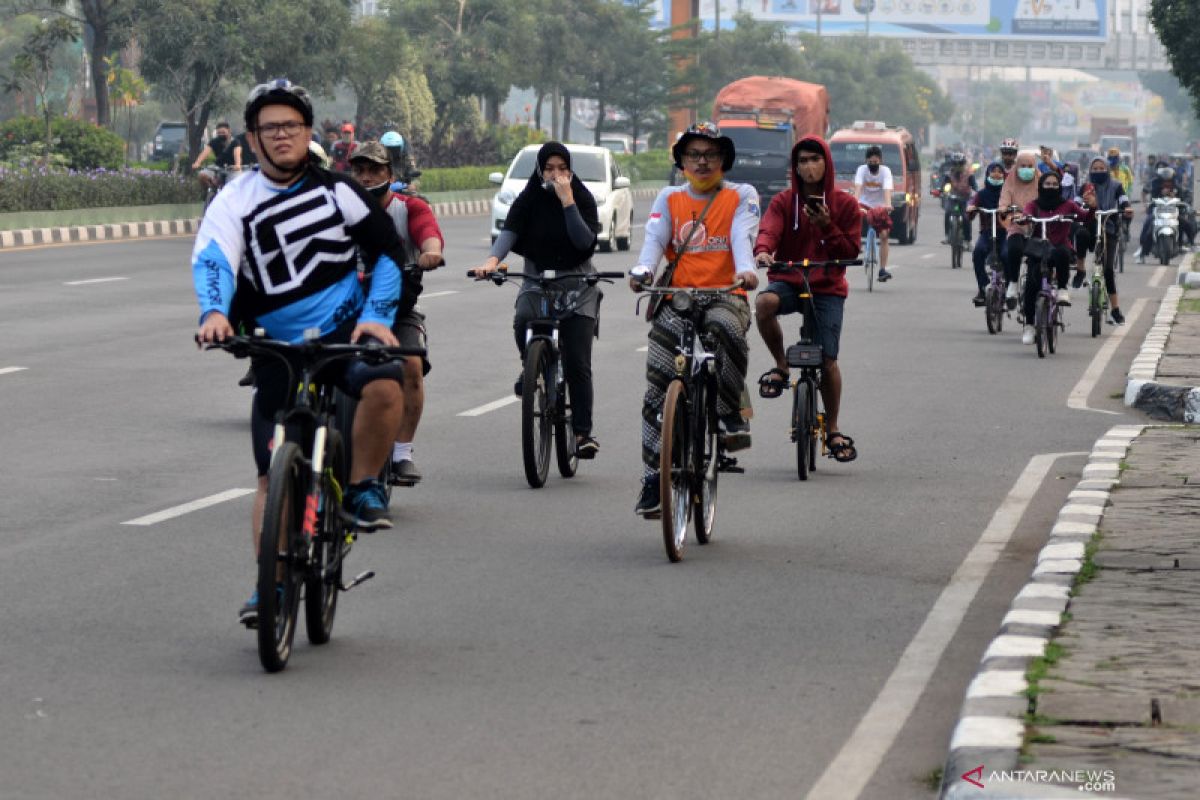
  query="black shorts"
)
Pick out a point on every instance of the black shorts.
point(271, 388)
point(829, 308)
point(409, 328)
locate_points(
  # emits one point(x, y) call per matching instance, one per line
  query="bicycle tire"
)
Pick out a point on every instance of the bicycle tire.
point(956, 244)
point(993, 309)
point(674, 484)
point(872, 259)
point(801, 430)
point(324, 579)
point(282, 518)
point(1040, 319)
point(1052, 329)
point(564, 434)
point(535, 415)
point(1095, 307)
point(816, 422)
point(705, 460)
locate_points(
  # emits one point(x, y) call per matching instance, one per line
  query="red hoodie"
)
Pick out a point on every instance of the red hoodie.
point(787, 233)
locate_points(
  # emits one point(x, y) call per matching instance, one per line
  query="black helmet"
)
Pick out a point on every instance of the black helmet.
point(704, 130)
point(280, 91)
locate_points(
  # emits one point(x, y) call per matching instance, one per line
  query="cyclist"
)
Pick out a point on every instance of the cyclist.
point(1008, 154)
point(404, 168)
point(1103, 192)
point(1120, 170)
point(282, 241)
point(959, 185)
point(371, 166)
point(553, 223)
point(988, 197)
point(221, 148)
point(873, 188)
point(1050, 203)
point(342, 148)
point(816, 221)
point(1020, 188)
point(707, 228)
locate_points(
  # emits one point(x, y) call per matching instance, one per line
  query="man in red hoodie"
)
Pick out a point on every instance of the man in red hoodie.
point(813, 220)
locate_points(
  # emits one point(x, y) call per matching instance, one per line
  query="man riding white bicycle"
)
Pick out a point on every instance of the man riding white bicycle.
point(873, 188)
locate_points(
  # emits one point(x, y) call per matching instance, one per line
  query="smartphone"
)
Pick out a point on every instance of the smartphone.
point(814, 202)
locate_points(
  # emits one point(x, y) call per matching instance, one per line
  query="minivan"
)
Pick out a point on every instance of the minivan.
point(849, 149)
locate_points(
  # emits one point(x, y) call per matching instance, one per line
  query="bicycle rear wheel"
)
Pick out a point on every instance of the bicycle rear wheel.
point(872, 259)
point(564, 433)
point(281, 556)
point(536, 423)
point(1095, 307)
point(704, 461)
point(324, 580)
point(801, 430)
point(993, 308)
point(1041, 324)
point(675, 471)
point(1052, 328)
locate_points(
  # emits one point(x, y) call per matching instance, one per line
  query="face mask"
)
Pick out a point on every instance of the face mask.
point(1114, 161)
point(873, 167)
point(995, 181)
point(1098, 178)
point(380, 190)
point(1049, 197)
point(1026, 173)
point(706, 185)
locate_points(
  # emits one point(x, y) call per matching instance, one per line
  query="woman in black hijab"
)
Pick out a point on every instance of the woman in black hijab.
point(553, 223)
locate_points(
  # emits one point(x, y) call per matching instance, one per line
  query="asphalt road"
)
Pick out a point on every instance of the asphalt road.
point(516, 643)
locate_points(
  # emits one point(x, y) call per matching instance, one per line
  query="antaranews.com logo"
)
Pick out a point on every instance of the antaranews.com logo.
point(1086, 780)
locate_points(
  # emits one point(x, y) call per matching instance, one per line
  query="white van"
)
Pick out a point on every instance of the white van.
point(599, 172)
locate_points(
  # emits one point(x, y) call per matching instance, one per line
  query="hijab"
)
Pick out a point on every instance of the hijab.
point(989, 195)
point(538, 218)
point(1021, 192)
point(1049, 199)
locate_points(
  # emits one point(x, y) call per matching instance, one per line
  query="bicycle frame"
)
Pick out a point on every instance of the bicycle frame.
point(1047, 290)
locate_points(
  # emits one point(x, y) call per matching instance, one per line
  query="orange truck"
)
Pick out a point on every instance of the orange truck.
point(765, 117)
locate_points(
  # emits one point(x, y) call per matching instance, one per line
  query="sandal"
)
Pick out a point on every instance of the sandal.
point(841, 447)
point(769, 388)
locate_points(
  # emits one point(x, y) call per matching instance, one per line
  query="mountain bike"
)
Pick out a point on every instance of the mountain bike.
point(545, 406)
point(306, 532)
point(870, 259)
point(1047, 314)
point(957, 232)
point(1097, 290)
point(993, 305)
point(807, 421)
point(692, 452)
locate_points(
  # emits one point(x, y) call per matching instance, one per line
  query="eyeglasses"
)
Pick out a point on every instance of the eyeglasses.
point(272, 130)
point(696, 156)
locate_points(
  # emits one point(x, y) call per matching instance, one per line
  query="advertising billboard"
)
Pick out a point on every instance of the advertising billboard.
point(1073, 21)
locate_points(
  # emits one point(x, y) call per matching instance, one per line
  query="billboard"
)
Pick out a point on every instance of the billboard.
point(1062, 22)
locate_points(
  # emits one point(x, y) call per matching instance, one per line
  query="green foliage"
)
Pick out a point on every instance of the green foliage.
point(651, 165)
point(80, 145)
point(297, 39)
point(44, 190)
point(405, 104)
point(457, 179)
point(511, 138)
point(1174, 21)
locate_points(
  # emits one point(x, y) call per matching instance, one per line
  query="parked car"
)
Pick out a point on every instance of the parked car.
point(599, 172)
point(621, 143)
point(169, 139)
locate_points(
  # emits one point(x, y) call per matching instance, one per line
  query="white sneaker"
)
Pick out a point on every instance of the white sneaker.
point(1027, 336)
point(1011, 292)
point(1137, 253)
point(1063, 298)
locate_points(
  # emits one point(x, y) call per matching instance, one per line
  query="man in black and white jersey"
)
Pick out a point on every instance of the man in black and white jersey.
point(286, 240)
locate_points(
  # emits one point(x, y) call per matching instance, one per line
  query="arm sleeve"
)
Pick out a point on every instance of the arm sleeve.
point(372, 231)
point(422, 224)
point(658, 234)
point(842, 238)
point(858, 179)
point(219, 245)
point(503, 244)
point(744, 229)
point(889, 184)
point(772, 224)
point(577, 230)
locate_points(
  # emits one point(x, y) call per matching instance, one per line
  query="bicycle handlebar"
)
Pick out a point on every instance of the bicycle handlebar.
point(783, 266)
point(311, 352)
point(548, 276)
point(694, 290)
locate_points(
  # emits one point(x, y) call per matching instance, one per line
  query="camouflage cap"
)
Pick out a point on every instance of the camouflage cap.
point(371, 151)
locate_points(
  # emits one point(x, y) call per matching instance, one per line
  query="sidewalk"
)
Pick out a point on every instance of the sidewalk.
point(1092, 687)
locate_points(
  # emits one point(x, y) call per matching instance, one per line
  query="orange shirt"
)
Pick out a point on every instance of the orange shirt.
point(708, 259)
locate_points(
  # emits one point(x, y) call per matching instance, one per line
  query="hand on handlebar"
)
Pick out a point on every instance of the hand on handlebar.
point(749, 280)
point(428, 261)
point(214, 328)
point(489, 266)
point(376, 330)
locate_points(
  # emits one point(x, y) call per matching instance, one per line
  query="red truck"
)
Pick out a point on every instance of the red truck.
point(1115, 132)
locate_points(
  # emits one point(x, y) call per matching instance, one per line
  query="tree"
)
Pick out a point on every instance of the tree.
point(33, 67)
point(1176, 100)
point(312, 52)
point(126, 90)
point(1173, 21)
point(374, 51)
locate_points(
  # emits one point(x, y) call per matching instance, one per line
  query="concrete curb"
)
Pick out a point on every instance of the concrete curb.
point(1163, 401)
point(991, 728)
point(188, 227)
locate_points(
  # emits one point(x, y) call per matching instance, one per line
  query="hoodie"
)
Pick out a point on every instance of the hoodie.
point(786, 231)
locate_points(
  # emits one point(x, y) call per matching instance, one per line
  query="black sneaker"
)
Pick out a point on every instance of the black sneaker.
point(1117, 317)
point(587, 447)
point(248, 378)
point(1077, 281)
point(404, 473)
point(884, 275)
point(980, 299)
point(737, 432)
point(367, 503)
point(649, 503)
point(519, 386)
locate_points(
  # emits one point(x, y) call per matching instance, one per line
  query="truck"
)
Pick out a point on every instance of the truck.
point(765, 117)
point(1115, 132)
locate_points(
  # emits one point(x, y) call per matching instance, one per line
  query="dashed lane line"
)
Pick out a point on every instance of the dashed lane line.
point(93, 280)
point(1095, 370)
point(187, 508)
point(437, 294)
point(10, 370)
point(492, 406)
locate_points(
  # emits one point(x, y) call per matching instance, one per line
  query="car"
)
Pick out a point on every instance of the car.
point(599, 172)
point(620, 143)
point(169, 139)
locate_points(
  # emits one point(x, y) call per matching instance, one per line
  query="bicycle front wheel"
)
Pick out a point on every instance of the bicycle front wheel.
point(801, 432)
point(564, 433)
point(1041, 324)
point(872, 260)
point(1096, 307)
point(324, 579)
point(675, 471)
point(704, 462)
point(956, 245)
point(536, 422)
point(993, 308)
point(1052, 328)
point(281, 556)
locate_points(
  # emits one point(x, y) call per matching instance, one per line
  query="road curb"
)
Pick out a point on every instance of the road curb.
point(1163, 401)
point(187, 227)
point(991, 729)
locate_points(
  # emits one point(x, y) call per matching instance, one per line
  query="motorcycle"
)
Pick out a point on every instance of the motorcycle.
point(1167, 211)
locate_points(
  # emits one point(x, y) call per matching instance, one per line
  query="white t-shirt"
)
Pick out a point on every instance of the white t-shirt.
point(876, 188)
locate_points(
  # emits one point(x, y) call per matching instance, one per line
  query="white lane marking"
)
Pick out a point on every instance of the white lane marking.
point(492, 406)
point(1160, 273)
point(644, 349)
point(437, 294)
point(929, 255)
point(187, 508)
point(93, 280)
point(9, 370)
point(1079, 395)
point(848, 774)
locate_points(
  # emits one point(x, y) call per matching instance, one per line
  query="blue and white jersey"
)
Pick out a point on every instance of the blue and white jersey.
point(290, 254)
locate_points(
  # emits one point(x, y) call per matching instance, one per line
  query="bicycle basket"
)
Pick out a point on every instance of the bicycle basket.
point(804, 355)
point(1037, 249)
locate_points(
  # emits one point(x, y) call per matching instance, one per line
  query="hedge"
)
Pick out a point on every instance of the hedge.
point(81, 144)
point(651, 165)
point(44, 190)
point(456, 179)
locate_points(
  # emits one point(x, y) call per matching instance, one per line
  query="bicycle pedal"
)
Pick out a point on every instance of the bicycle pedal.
point(726, 464)
point(403, 481)
point(360, 578)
